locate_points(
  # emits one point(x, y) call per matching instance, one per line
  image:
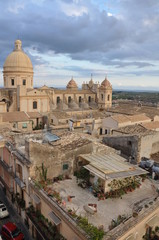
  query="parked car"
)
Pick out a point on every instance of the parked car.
point(11, 232)
point(3, 211)
point(1, 203)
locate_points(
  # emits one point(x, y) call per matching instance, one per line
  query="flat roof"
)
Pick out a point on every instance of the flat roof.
point(107, 209)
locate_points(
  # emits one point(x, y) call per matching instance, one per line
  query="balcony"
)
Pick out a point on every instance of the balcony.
point(20, 183)
point(6, 166)
point(45, 228)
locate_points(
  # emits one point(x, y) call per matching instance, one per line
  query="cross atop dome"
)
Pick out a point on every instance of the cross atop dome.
point(18, 45)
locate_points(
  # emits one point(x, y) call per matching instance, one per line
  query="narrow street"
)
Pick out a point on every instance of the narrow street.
point(13, 217)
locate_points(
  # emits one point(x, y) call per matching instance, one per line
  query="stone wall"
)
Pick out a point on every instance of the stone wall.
point(54, 158)
point(135, 146)
point(128, 145)
point(149, 145)
point(68, 227)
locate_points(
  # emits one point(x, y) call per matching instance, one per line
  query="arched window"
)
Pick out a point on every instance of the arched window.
point(69, 99)
point(35, 105)
point(58, 100)
point(108, 98)
point(102, 97)
point(80, 99)
point(89, 99)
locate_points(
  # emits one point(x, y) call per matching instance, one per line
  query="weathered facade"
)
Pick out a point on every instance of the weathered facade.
point(135, 146)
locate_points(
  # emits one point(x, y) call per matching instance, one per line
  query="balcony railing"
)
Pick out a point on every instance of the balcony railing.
point(43, 226)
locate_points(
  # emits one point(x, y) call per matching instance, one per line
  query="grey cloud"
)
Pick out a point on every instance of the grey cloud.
point(120, 42)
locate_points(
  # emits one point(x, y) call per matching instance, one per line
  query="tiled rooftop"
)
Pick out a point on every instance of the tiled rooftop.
point(121, 118)
point(151, 125)
point(130, 108)
point(135, 130)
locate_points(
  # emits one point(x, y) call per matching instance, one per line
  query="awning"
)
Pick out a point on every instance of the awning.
point(20, 183)
point(130, 237)
point(54, 218)
point(95, 171)
point(35, 198)
point(153, 222)
point(110, 166)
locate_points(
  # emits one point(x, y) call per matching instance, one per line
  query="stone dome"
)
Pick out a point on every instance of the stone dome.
point(72, 84)
point(84, 105)
point(73, 105)
point(17, 60)
point(106, 84)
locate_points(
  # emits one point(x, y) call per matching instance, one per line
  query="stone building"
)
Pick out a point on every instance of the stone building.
point(18, 93)
point(135, 142)
point(117, 121)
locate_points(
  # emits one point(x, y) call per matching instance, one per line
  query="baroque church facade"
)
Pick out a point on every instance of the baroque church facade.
point(19, 94)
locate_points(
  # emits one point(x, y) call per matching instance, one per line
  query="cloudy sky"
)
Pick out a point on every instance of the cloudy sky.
point(65, 38)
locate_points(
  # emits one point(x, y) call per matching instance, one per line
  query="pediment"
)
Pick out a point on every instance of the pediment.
point(35, 92)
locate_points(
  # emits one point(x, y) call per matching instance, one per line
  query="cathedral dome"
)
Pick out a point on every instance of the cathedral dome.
point(106, 83)
point(72, 84)
point(18, 60)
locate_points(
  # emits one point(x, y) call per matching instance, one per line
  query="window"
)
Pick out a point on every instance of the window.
point(58, 100)
point(89, 99)
point(65, 166)
point(24, 125)
point(102, 96)
point(12, 82)
point(35, 105)
point(108, 98)
point(129, 143)
point(80, 99)
point(106, 131)
point(52, 120)
point(14, 125)
point(69, 99)
point(24, 82)
point(6, 232)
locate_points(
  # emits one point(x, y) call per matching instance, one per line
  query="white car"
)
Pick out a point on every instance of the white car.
point(1, 203)
point(3, 211)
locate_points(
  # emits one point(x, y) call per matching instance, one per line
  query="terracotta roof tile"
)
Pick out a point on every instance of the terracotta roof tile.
point(151, 125)
point(139, 118)
point(14, 117)
point(34, 115)
point(121, 118)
